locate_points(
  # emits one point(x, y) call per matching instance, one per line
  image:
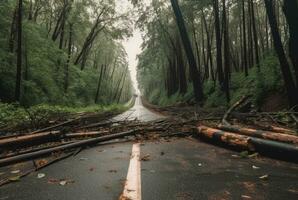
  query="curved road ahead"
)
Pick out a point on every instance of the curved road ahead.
point(176, 169)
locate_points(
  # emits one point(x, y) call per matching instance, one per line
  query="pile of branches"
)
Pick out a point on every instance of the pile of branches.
point(70, 135)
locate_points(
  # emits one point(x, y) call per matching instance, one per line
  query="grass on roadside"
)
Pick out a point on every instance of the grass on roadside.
point(16, 117)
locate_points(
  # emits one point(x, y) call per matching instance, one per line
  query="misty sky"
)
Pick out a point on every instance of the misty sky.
point(133, 44)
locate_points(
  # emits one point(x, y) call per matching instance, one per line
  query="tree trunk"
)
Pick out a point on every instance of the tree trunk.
point(196, 79)
point(12, 36)
point(99, 83)
point(218, 45)
point(181, 69)
point(227, 54)
point(19, 53)
point(244, 39)
point(284, 64)
point(255, 35)
point(66, 72)
point(290, 8)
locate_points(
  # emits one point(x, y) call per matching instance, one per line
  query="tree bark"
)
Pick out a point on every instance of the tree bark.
point(284, 64)
point(19, 52)
point(227, 54)
point(196, 79)
point(290, 8)
point(255, 35)
point(244, 39)
point(218, 45)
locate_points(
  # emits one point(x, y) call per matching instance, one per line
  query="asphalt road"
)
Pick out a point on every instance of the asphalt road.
point(176, 169)
point(138, 111)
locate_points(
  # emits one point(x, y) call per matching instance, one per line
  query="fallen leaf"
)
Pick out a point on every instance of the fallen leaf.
point(255, 167)
point(254, 155)
point(264, 177)
point(246, 197)
point(40, 163)
point(162, 153)
point(40, 175)
point(14, 178)
point(63, 183)
point(91, 169)
point(15, 171)
point(145, 158)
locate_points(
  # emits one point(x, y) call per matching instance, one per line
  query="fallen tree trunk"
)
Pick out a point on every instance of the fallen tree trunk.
point(19, 158)
point(271, 148)
point(222, 136)
point(280, 137)
point(33, 150)
point(86, 134)
point(281, 130)
point(29, 139)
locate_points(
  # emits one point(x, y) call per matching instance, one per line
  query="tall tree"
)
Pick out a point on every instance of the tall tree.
point(218, 45)
point(195, 76)
point(245, 59)
point(227, 55)
point(284, 64)
point(19, 52)
point(290, 8)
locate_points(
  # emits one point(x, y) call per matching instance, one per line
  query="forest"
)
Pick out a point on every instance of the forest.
point(64, 52)
point(213, 52)
point(68, 55)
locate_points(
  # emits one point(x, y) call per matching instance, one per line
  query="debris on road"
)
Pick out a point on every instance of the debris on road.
point(40, 175)
point(145, 157)
point(50, 144)
point(264, 177)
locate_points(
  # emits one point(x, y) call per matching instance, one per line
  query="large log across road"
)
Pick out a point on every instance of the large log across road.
point(267, 147)
point(19, 158)
point(280, 137)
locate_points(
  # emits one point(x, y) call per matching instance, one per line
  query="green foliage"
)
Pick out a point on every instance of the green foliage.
point(44, 63)
point(257, 84)
point(13, 115)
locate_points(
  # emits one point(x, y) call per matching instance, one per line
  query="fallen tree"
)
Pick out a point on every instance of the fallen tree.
point(28, 139)
point(281, 137)
point(19, 158)
point(86, 134)
point(267, 147)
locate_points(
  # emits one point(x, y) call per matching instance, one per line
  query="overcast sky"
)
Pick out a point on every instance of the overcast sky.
point(133, 44)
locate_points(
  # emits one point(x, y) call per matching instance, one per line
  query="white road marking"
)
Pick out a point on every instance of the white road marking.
point(132, 189)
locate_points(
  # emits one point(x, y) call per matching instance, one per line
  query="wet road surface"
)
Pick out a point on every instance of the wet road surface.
point(138, 111)
point(182, 169)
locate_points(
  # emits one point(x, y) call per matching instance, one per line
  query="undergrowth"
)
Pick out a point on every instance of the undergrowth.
point(258, 84)
point(14, 116)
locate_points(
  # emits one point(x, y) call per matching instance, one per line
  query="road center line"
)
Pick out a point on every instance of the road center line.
point(132, 189)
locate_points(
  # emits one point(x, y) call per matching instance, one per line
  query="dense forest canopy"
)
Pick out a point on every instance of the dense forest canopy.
point(231, 48)
point(65, 52)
